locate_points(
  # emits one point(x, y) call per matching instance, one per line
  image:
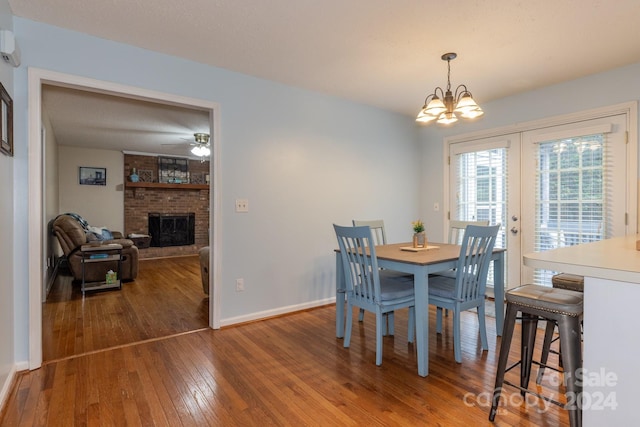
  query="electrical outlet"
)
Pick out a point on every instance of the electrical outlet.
point(436, 206)
point(242, 205)
point(239, 285)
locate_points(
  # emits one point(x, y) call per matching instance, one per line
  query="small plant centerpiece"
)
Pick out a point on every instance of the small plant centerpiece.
point(419, 235)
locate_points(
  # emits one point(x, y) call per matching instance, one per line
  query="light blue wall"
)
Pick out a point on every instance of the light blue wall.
point(304, 160)
point(7, 235)
point(599, 90)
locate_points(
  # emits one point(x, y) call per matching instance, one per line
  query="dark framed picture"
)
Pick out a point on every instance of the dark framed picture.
point(92, 176)
point(173, 170)
point(6, 122)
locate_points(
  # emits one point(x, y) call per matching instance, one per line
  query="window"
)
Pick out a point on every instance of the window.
point(570, 186)
point(480, 183)
point(481, 193)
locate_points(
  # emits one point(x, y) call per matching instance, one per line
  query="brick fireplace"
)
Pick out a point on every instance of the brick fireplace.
point(150, 197)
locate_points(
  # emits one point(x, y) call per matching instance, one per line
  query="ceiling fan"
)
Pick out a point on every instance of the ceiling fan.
point(200, 145)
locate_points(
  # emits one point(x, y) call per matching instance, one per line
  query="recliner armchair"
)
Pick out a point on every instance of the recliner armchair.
point(72, 234)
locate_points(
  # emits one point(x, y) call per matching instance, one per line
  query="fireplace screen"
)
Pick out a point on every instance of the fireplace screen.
point(172, 229)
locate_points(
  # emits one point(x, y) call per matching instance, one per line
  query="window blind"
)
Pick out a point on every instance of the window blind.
point(481, 190)
point(572, 183)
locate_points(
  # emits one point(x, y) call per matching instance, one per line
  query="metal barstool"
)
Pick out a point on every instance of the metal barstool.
point(571, 282)
point(564, 307)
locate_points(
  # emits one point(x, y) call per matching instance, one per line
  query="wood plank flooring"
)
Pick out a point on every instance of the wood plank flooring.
point(165, 299)
point(285, 371)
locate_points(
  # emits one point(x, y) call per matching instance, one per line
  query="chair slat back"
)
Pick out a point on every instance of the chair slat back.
point(473, 263)
point(377, 229)
point(456, 229)
point(361, 271)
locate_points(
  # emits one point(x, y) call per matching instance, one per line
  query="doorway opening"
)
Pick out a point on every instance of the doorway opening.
point(37, 221)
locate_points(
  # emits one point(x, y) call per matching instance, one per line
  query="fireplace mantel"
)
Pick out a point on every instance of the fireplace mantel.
point(161, 185)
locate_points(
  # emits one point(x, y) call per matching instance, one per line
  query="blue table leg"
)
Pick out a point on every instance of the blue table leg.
point(421, 287)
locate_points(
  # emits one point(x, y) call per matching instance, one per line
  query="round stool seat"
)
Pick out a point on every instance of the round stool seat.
point(553, 300)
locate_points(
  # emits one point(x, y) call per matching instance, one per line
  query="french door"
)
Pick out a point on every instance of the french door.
point(576, 186)
point(484, 185)
point(548, 187)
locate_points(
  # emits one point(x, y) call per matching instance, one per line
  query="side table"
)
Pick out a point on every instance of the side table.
point(100, 254)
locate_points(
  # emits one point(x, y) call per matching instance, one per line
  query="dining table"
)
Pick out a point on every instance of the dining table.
point(421, 262)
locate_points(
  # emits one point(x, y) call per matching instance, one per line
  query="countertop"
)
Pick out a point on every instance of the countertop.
point(613, 259)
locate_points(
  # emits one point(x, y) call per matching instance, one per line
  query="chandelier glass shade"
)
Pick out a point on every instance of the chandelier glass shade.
point(445, 106)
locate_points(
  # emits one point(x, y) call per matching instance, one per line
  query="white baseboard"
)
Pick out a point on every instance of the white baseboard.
point(275, 312)
point(6, 386)
point(22, 366)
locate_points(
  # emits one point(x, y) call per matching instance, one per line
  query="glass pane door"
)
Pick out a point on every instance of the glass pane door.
point(484, 187)
point(577, 191)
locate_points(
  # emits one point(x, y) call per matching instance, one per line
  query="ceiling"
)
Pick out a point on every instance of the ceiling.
point(95, 120)
point(377, 52)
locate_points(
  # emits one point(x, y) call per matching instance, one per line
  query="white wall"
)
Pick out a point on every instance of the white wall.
point(306, 161)
point(599, 90)
point(7, 236)
point(101, 206)
point(51, 204)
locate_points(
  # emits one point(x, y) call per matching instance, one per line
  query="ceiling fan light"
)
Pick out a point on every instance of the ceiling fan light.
point(200, 151)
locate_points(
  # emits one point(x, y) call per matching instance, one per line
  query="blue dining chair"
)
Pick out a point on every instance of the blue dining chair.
point(467, 289)
point(370, 288)
point(377, 229)
point(456, 234)
point(380, 238)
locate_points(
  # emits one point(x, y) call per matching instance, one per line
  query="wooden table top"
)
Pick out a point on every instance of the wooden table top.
point(443, 252)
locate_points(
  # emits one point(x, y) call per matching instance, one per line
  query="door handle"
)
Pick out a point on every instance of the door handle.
point(514, 230)
point(514, 218)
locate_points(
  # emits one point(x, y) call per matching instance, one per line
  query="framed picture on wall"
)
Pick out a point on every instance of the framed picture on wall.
point(6, 122)
point(92, 176)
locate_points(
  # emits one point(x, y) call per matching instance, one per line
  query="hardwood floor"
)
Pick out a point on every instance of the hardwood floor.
point(285, 371)
point(165, 299)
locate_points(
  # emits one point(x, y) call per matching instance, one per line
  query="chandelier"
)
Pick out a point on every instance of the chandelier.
point(443, 108)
